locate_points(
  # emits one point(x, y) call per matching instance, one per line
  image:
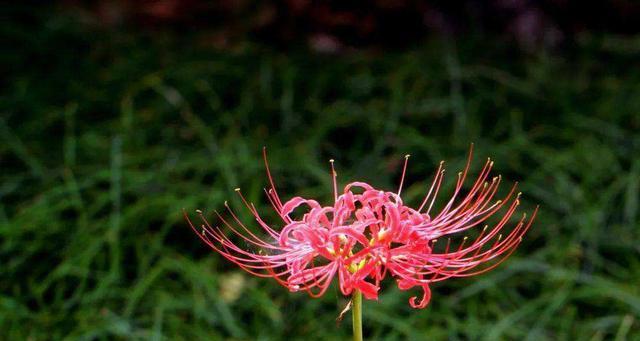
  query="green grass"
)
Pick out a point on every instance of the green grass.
point(106, 137)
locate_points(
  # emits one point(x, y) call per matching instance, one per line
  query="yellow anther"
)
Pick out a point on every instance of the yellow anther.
point(355, 267)
point(383, 233)
point(361, 264)
point(198, 211)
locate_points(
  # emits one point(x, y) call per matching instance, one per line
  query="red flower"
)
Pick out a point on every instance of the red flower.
point(369, 233)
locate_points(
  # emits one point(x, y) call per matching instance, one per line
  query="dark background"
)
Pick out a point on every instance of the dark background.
point(116, 115)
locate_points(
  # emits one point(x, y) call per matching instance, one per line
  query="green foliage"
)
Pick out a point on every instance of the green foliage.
point(107, 136)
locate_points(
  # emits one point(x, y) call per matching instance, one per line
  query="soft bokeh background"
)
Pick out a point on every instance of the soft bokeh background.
point(115, 115)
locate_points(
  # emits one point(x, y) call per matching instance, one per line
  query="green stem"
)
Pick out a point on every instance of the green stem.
point(357, 315)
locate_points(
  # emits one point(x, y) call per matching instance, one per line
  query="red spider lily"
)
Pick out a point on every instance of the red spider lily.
point(366, 235)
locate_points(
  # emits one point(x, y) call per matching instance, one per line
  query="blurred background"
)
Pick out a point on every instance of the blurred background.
point(116, 115)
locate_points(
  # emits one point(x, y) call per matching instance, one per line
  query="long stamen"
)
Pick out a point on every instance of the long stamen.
point(273, 186)
point(404, 171)
point(334, 176)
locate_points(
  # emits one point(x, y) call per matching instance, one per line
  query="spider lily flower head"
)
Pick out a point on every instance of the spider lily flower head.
point(368, 234)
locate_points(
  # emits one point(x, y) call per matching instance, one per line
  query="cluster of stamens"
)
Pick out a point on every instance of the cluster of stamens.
point(368, 234)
